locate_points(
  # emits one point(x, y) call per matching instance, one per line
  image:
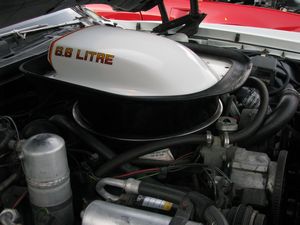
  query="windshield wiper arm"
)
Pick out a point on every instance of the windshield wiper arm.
point(16, 31)
point(24, 31)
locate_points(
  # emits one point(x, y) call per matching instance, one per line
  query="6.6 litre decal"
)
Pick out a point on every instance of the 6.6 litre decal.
point(97, 57)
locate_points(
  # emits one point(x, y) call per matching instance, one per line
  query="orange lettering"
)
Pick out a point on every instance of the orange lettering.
point(109, 59)
point(101, 57)
point(78, 55)
point(92, 55)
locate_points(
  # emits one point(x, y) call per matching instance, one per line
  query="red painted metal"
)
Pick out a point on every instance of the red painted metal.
point(217, 13)
point(107, 12)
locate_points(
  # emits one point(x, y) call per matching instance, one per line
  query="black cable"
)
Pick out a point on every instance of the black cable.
point(146, 149)
point(245, 133)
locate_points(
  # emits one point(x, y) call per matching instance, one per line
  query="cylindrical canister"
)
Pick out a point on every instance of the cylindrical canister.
point(47, 173)
point(100, 213)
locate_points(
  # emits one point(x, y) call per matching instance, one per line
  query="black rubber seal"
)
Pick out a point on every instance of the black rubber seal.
point(39, 68)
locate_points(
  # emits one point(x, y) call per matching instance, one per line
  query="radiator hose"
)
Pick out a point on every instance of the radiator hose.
point(281, 115)
point(248, 131)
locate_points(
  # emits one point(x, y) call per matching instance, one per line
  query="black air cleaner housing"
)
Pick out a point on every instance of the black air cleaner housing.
point(140, 120)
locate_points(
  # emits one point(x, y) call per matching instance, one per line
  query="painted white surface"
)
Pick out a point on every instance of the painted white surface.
point(144, 64)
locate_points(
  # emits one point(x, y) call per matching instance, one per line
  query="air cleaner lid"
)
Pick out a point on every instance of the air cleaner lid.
point(138, 64)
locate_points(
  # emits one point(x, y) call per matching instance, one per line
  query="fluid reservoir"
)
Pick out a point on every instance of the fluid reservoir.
point(46, 169)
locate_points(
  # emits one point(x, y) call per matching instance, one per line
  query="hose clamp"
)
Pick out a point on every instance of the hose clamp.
point(226, 140)
point(209, 138)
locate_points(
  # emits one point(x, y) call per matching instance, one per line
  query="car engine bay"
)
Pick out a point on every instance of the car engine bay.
point(160, 130)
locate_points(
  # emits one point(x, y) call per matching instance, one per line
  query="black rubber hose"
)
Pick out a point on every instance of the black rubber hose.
point(213, 216)
point(8, 181)
point(203, 205)
point(282, 87)
point(94, 144)
point(229, 103)
point(146, 149)
point(158, 163)
point(282, 114)
point(161, 192)
point(248, 131)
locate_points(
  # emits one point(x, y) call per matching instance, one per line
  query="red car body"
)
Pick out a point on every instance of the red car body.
point(217, 12)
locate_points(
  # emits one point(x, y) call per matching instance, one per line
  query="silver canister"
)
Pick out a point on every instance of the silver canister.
point(106, 213)
point(47, 173)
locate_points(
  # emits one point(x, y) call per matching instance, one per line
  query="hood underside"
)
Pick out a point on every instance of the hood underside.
point(15, 11)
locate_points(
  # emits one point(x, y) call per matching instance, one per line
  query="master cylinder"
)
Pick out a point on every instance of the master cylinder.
point(46, 169)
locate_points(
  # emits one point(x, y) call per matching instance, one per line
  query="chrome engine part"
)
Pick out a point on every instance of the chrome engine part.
point(48, 177)
point(10, 217)
point(100, 212)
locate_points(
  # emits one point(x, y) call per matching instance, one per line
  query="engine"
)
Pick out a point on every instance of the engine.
point(122, 127)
